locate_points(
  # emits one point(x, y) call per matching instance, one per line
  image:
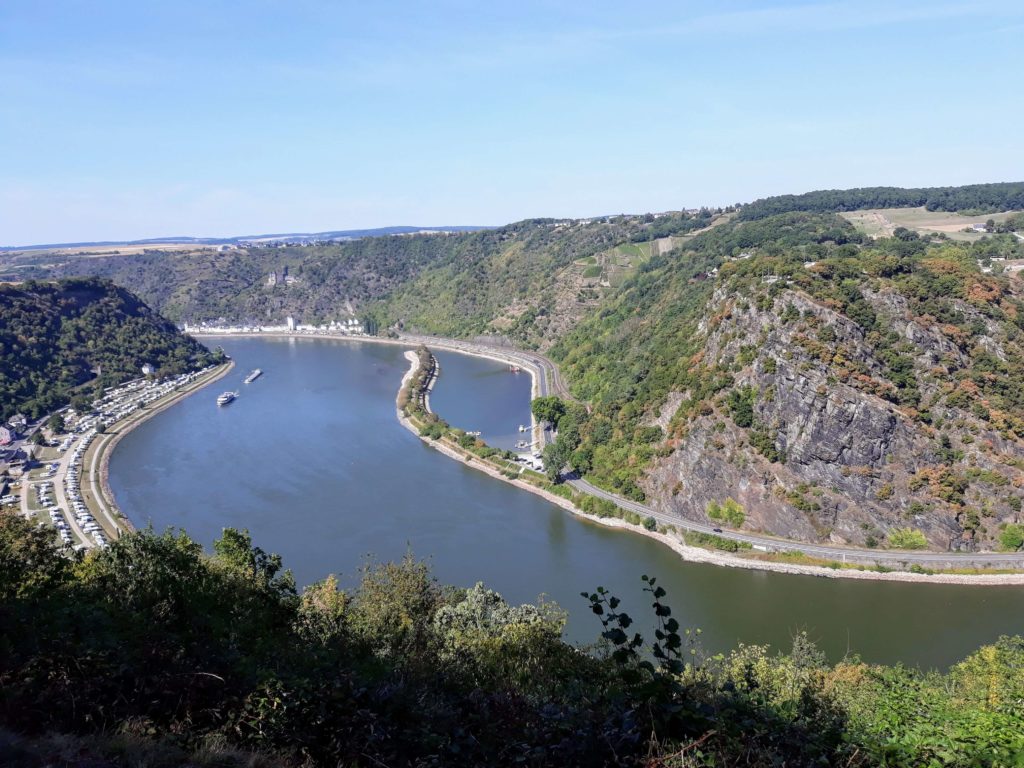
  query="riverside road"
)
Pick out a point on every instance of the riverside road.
point(549, 381)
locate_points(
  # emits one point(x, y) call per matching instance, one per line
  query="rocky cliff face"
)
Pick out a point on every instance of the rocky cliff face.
point(831, 453)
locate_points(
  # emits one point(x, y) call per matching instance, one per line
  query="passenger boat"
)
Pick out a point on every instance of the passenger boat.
point(226, 397)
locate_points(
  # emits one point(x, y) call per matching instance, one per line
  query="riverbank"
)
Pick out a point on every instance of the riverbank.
point(783, 556)
point(539, 385)
point(96, 461)
point(685, 551)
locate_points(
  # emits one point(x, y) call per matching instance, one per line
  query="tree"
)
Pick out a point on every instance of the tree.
point(556, 455)
point(730, 511)
point(549, 409)
point(56, 423)
point(582, 460)
point(234, 549)
point(741, 404)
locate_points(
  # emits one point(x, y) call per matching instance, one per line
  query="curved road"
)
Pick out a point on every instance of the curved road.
point(548, 378)
point(549, 381)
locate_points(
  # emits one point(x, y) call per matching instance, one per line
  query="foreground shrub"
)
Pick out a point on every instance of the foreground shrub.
point(154, 651)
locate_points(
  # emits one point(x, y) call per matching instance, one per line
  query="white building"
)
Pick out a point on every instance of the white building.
point(290, 323)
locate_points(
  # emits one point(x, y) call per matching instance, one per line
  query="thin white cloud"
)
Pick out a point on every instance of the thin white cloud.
point(830, 17)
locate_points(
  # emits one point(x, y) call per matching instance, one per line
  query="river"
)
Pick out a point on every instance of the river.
point(311, 459)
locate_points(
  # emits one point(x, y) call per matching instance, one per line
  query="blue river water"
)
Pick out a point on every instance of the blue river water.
point(312, 461)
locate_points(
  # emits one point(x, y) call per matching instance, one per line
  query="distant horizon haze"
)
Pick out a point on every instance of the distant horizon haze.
point(401, 229)
point(312, 116)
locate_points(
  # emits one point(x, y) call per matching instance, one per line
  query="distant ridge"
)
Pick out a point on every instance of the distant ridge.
point(282, 237)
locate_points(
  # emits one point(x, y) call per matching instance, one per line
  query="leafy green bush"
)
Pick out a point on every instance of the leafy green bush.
point(433, 430)
point(154, 638)
point(697, 539)
point(730, 512)
point(1011, 538)
point(907, 538)
point(741, 403)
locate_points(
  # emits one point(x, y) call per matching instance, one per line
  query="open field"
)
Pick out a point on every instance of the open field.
point(15, 264)
point(880, 222)
point(109, 250)
point(634, 250)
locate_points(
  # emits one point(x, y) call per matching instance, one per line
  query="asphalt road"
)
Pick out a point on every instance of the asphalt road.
point(826, 552)
point(550, 382)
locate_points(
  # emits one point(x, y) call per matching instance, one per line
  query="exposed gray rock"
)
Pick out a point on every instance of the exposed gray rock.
point(856, 464)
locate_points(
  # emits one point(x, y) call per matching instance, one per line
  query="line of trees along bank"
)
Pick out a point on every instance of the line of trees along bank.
point(153, 648)
point(974, 198)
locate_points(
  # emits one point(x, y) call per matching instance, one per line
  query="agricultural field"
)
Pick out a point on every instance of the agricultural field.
point(880, 222)
point(612, 267)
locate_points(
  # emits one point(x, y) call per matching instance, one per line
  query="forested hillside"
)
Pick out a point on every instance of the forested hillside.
point(973, 198)
point(490, 281)
point(150, 652)
point(57, 337)
point(509, 281)
point(815, 383)
point(821, 383)
point(529, 281)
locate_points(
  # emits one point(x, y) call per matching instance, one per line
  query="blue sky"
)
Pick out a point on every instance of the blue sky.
point(136, 119)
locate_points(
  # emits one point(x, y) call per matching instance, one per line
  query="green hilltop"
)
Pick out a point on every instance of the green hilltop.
point(74, 337)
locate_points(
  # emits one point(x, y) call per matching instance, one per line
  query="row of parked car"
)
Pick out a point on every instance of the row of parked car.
point(45, 499)
point(115, 405)
point(71, 485)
